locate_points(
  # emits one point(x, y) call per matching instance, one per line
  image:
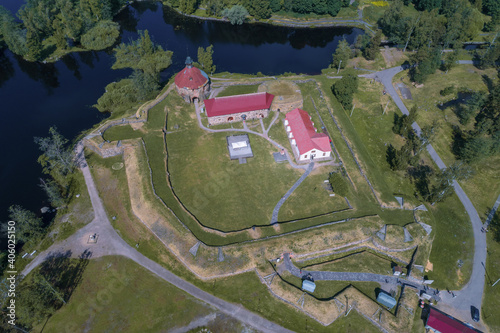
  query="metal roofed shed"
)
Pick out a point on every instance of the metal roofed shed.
point(308, 286)
point(239, 147)
point(386, 300)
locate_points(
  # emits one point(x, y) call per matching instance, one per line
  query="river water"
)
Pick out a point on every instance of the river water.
point(36, 96)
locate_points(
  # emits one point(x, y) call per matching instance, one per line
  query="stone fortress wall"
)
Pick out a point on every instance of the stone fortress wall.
point(235, 117)
point(188, 94)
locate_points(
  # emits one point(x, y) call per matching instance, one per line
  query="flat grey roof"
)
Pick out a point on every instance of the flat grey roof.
point(239, 146)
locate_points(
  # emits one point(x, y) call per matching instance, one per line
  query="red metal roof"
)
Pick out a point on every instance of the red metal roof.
point(304, 132)
point(191, 77)
point(447, 324)
point(221, 106)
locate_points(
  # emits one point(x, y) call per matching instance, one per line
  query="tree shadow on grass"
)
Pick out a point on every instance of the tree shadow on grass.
point(458, 141)
point(63, 273)
point(420, 176)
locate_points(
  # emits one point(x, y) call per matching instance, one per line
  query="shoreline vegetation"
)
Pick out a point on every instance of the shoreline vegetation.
point(87, 25)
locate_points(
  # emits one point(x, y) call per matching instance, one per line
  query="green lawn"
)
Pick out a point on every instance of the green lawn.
point(117, 295)
point(227, 195)
point(238, 90)
point(363, 262)
point(368, 132)
point(453, 241)
point(301, 203)
point(491, 300)
point(446, 216)
point(121, 133)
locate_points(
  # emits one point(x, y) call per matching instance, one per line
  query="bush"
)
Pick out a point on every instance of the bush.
point(102, 36)
point(447, 91)
point(345, 88)
point(339, 184)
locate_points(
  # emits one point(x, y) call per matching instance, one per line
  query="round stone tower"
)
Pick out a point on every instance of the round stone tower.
point(192, 82)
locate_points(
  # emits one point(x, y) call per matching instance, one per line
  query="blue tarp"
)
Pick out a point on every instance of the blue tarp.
point(386, 300)
point(308, 286)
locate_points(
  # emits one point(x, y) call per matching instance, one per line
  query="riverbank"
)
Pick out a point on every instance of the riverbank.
point(289, 21)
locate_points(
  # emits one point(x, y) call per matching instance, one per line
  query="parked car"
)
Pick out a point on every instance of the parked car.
point(474, 312)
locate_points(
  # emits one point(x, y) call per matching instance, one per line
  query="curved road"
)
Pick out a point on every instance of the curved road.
point(472, 292)
point(109, 243)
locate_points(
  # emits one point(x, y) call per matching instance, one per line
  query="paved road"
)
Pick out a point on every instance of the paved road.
point(109, 243)
point(472, 292)
point(276, 210)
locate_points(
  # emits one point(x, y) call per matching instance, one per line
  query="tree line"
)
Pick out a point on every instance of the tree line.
point(47, 25)
point(237, 10)
point(440, 25)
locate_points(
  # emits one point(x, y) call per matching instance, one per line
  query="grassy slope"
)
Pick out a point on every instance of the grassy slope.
point(238, 90)
point(365, 262)
point(121, 133)
point(301, 203)
point(118, 295)
point(484, 187)
point(491, 300)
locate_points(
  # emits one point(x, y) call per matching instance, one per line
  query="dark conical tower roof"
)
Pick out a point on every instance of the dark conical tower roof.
point(189, 61)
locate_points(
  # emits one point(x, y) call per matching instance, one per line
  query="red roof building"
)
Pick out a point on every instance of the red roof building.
point(238, 107)
point(440, 322)
point(306, 142)
point(192, 82)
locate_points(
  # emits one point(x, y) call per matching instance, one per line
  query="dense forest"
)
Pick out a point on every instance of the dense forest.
point(44, 26)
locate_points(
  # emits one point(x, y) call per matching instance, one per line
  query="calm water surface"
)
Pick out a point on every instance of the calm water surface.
point(36, 96)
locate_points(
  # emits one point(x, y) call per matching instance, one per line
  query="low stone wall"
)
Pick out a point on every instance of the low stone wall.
point(104, 149)
point(119, 122)
point(235, 117)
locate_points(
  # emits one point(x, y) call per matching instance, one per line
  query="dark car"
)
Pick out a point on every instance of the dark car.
point(474, 312)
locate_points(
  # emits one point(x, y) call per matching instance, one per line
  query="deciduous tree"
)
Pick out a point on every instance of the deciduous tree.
point(57, 157)
point(28, 225)
point(236, 15)
point(342, 54)
point(373, 47)
point(205, 59)
point(345, 88)
point(102, 36)
point(339, 184)
point(142, 54)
